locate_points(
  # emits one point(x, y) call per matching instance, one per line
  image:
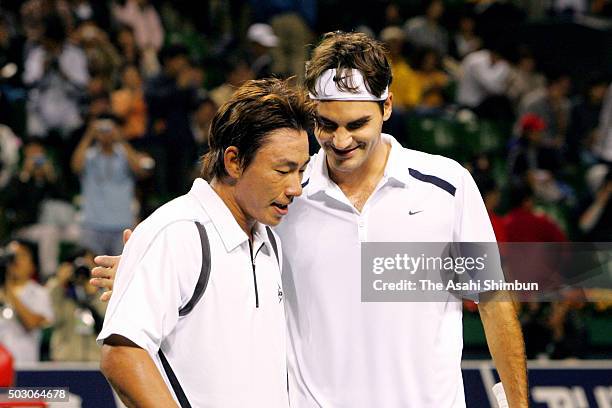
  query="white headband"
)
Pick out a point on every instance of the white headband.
point(327, 90)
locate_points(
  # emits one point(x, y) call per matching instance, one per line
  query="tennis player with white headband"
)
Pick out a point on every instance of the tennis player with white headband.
point(363, 186)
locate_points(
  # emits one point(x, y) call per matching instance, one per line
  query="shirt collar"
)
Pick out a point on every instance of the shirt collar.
point(220, 215)
point(396, 168)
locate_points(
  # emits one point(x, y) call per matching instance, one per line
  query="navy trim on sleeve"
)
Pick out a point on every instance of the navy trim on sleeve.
point(436, 181)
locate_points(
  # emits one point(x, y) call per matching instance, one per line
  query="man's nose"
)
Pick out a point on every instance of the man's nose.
point(342, 139)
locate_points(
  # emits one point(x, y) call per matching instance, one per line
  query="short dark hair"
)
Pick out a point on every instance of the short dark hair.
point(519, 193)
point(257, 108)
point(343, 51)
point(173, 51)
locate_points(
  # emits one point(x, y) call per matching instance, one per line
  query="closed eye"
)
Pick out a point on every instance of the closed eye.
point(282, 172)
point(326, 125)
point(357, 124)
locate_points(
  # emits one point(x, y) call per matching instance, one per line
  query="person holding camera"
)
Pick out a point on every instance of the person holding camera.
point(56, 73)
point(107, 166)
point(25, 305)
point(79, 313)
point(35, 205)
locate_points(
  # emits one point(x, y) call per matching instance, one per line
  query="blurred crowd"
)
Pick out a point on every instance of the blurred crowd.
point(105, 108)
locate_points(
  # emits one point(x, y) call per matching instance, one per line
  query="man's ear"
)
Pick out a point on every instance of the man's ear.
point(232, 162)
point(388, 107)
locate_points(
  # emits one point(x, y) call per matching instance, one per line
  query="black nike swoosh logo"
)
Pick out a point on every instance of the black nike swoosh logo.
point(414, 212)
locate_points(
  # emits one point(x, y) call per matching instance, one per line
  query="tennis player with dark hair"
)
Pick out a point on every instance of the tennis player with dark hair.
point(197, 316)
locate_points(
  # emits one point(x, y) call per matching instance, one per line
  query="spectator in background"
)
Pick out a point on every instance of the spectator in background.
point(107, 166)
point(532, 162)
point(524, 224)
point(103, 60)
point(524, 77)
point(57, 74)
point(128, 103)
point(143, 19)
point(484, 82)
point(552, 104)
point(262, 41)
point(33, 16)
point(237, 72)
point(430, 79)
point(11, 53)
point(465, 40)
point(171, 97)
point(27, 305)
point(292, 22)
point(145, 31)
point(526, 154)
point(9, 154)
point(91, 10)
point(201, 121)
point(602, 148)
point(585, 119)
point(426, 30)
point(34, 207)
point(405, 94)
point(126, 44)
point(79, 313)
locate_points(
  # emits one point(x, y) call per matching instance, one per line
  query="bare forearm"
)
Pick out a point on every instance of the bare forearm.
point(505, 340)
point(78, 158)
point(133, 158)
point(134, 376)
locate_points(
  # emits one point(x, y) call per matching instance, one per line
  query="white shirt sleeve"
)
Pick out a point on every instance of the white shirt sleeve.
point(473, 226)
point(472, 223)
point(156, 276)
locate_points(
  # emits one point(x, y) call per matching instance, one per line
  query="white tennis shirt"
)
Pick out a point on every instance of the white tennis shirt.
point(347, 354)
point(229, 351)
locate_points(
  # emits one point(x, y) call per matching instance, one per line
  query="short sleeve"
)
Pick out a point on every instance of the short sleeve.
point(474, 236)
point(472, 223)
point(155, 277)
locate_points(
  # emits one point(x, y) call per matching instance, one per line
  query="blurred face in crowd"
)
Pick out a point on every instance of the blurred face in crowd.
point(597, 92)
point(125, 38)
point(466, 25)
point(560, 88)
point(435, 9)
point(395, 46)
point(106, 132)
point(205, 113)
point(22, 268)
point(131, 77)
point(174, 65)
point(430, 61)
point(349, 132)
point(527, 64)
point(36, 154)
point(273, 179)
point(240, 74)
